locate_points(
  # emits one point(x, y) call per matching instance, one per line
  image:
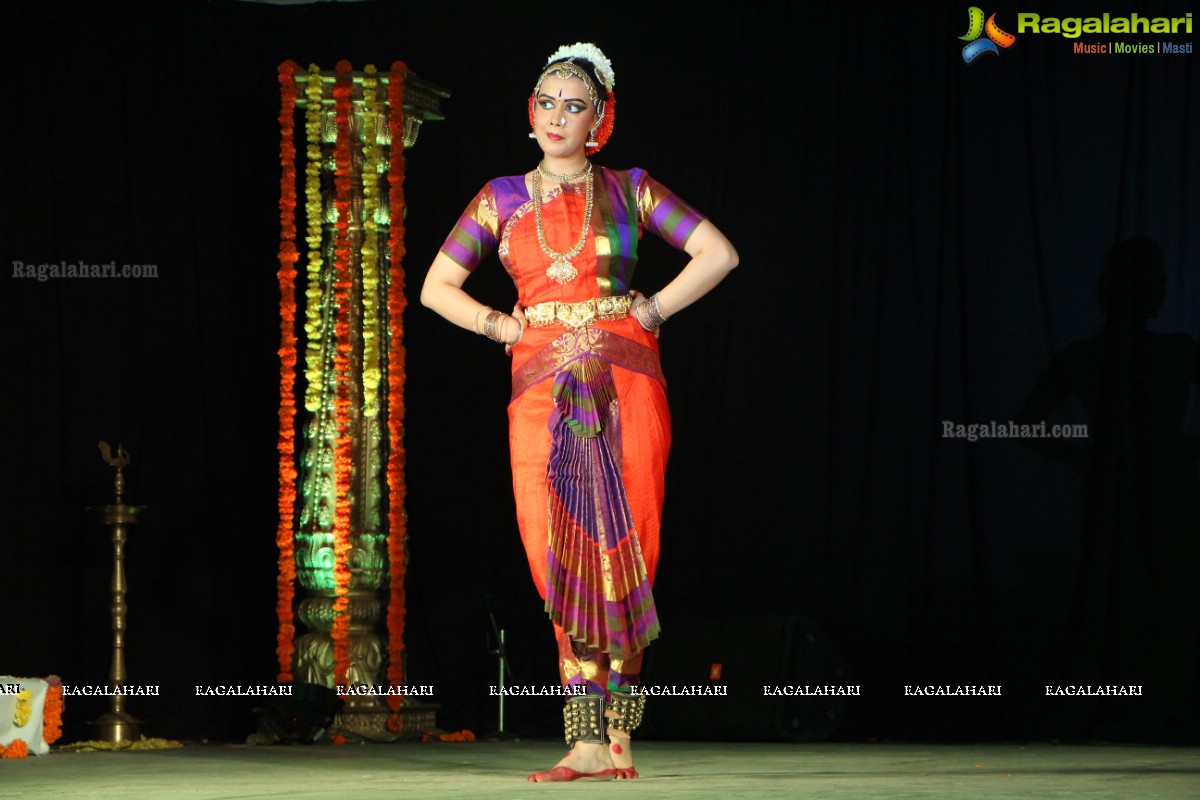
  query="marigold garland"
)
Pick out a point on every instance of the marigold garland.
point(397, 522)
point(52, 713)
point(464, 735)
point(343, 442)
point(285, 582)
point(370, 247)
point(16, 749)
point(23, 712)
point(314, 91)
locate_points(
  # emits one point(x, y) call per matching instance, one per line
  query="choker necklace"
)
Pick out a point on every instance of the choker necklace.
point(561, 270)
point(574, 177)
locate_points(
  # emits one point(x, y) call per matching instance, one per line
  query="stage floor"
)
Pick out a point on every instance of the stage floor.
point(496, 771)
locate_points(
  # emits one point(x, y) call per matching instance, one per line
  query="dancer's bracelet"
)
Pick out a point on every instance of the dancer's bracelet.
point(520, 330)
point(649, 315)
point(491, 326)
point(475, 319)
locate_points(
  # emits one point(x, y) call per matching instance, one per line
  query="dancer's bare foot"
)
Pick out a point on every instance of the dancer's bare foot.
point(585, 760)
point(621, 750)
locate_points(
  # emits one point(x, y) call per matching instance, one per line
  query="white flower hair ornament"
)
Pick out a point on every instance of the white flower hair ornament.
point(594, 54)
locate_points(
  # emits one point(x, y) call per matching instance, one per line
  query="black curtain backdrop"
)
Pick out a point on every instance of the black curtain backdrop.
point(921, 243)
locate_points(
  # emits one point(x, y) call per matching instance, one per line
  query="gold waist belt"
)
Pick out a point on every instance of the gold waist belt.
point(576, 315)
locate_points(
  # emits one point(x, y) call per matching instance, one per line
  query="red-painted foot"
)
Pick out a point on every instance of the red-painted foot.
point(561, 774)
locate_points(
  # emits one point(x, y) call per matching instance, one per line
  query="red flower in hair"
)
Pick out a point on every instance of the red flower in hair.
point(606, 125)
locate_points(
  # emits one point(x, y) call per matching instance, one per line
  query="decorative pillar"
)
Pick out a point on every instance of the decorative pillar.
point(342, 527)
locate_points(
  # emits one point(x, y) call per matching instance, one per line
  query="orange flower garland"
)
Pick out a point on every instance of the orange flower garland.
point(285, 581)
point(16, 749)
point(465, 735)
point(397, 529)
point(343, 442)
point(52, 715)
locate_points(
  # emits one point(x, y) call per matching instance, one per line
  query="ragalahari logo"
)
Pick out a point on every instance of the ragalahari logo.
point(976, 27)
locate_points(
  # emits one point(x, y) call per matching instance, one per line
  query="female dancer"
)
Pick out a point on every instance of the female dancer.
point(589, 429)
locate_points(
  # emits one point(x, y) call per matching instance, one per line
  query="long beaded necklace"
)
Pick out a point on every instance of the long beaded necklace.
point(561, 270)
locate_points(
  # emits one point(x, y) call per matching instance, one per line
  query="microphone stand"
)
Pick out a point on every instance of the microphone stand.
point(505, 672)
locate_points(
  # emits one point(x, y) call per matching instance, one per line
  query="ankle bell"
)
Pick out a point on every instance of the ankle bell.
point(583, 720)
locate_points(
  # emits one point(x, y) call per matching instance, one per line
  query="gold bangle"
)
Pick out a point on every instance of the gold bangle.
point(475, 319)
point(520, 329)
point(491, 324)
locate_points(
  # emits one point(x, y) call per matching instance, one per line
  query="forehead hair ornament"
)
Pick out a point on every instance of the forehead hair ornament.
point(566, 68)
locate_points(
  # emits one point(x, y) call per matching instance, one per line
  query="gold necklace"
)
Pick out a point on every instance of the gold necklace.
point(561, 270)
point(572, 178)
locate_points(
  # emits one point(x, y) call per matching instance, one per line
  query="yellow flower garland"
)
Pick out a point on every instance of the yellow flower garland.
point(314, 212)
point(371, 373)
point(24, 710)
